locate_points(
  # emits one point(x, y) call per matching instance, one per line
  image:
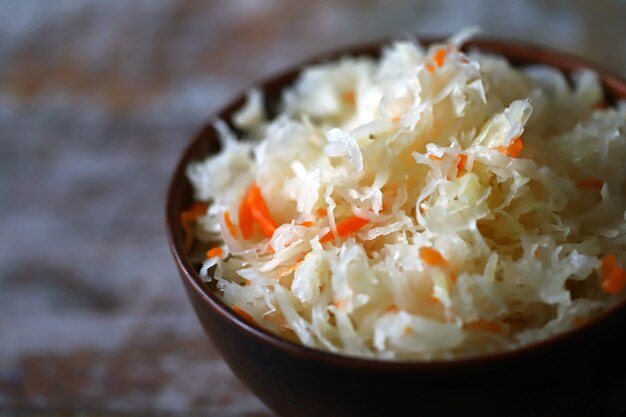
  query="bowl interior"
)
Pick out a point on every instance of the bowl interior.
point(205, 143)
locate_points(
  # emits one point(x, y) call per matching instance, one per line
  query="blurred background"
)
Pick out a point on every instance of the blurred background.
point(97, 100)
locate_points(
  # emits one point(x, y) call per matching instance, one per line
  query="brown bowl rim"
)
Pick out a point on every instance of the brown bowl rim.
point(513, 50)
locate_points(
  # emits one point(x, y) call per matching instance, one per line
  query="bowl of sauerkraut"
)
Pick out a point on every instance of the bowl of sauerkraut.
point(433, 227)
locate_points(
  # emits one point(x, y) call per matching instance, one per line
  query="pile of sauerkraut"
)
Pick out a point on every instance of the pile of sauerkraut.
point(430, 204)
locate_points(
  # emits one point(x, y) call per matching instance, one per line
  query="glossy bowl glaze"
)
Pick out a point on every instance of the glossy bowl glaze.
point(567, 375)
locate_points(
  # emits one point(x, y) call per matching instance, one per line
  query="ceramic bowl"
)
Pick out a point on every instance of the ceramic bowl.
point(566, 375)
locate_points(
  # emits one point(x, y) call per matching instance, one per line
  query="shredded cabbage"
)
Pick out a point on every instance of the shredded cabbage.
point(512, 178)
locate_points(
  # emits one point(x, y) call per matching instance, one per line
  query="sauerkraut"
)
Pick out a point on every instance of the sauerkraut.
point(430, 204)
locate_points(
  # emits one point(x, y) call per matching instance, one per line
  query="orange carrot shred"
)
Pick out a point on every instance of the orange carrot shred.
point(432, 257)
point(614, 276)
point(408, 330)
point(260, 212)
point(392, 309)
point(483, 326)
point(187, 217)
point(435, 299)
point(346, 227)
point(607, 264)
point(433, 157)
point(430, 68)
point(614, 281)
point(321, 212)
point(514, 149)
point(306, 224)
point(229, 224)
point(246, 220)
point(395, 118)
point(278, 319)
point(348, 97)
point(254, 209)
point(461, 163)
point(340, 303)
point(214, 252)
point(199, 208)
point(243, 313)
point(591, 183)
point(440, 57)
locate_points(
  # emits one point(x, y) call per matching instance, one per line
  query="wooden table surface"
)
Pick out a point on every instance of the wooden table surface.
point(97, 99)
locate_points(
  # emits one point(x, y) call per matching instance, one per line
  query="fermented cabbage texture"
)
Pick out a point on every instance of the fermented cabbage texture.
point(430, 204)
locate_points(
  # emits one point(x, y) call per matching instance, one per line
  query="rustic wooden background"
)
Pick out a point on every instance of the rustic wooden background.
point(97, 99)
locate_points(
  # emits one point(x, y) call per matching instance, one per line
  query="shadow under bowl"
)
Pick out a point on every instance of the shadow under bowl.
point(566, 375)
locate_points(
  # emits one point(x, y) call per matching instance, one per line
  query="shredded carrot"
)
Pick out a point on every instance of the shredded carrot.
point(187, 217)
point(185, 220)
point(270, 250)
point(430, 68)
point(433, 157)
point(461, 163)
point(483, 326)
point(306, 224)
point(199, 208)
point(247, 282)
point(229, 224)
point(591, 183)
point(514, 149)
point(614, 281)
point(243, 313)
point(408, 330)
point(348, 226)
point(392, 309)
point(321, 212)
point(614, 276)
point(348, 97)
point(246, 220)
point(214, 253)
point(432, 257)
point(277, 319)
point(258, 212)
point(435, 299)
point(607, 264)
point(440, 57)
point(395, 118)
point(340, 303)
